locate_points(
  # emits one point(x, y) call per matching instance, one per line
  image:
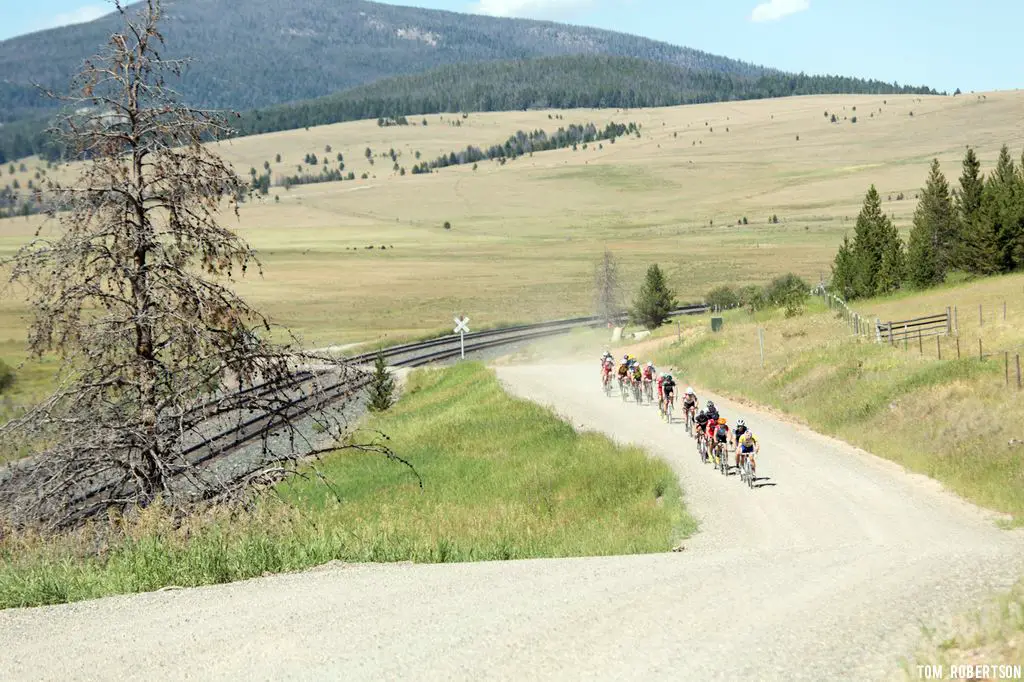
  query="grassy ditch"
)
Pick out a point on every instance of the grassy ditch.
point(502, 479)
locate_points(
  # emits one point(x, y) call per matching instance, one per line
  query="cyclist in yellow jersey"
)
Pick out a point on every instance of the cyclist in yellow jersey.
point(747, 446)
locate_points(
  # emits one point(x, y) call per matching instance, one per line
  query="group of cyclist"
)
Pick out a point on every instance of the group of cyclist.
point(709, 428)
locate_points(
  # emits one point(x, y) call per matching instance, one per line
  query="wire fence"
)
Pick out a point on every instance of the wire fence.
point(943, 327)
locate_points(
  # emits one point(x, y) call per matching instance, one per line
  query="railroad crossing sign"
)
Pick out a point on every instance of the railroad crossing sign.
point(461, 329)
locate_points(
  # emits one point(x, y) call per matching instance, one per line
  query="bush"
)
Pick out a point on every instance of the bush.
point(752, 297)
point(723, 297)
point(6, 376)
point(447, 225)
point(788, 291)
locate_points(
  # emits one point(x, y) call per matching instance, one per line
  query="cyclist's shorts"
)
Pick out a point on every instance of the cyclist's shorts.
point(746, 449)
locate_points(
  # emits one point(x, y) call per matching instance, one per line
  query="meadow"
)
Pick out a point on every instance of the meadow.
point(524, 236)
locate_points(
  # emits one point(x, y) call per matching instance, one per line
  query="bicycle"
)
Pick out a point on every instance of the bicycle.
point(606, 383)
point(747, 472)
point(637, 392)
point(723, 458)
point(622, 388)
point(649, 390)
point(689, 421)
point(668, 409)
point(702, 447)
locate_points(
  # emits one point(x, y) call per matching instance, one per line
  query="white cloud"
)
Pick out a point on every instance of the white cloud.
point(774, 10)
point(525, 8)
point(77, 16)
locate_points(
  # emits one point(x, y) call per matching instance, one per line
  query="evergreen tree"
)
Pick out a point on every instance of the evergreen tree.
point(968, 205)
point(934, 236)
point(655, 300)
point(868, 245)
point(894, 262)
point(381, 389)
point(843, 271)
point(1001, 206)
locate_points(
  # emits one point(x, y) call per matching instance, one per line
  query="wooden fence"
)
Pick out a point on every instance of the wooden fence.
point(892, 332)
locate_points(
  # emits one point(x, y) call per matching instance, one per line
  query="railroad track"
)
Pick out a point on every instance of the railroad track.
point(203, 456)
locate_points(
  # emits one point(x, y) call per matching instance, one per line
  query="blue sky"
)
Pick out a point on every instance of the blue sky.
point(942, 43)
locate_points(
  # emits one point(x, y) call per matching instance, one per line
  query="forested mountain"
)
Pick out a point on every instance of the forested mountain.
point(262, 52)
point(551, 82)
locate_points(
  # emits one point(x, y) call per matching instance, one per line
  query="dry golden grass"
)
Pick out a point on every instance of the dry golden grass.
point(525, 235)
point(902, 404)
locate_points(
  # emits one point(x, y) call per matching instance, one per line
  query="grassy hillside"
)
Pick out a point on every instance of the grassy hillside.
point(525, 236)
point(568, 82)
point(258, 53)
point(516, 483)
point(954, 420)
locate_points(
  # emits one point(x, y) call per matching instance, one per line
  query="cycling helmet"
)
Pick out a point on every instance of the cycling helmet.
point(741, 423)
point(625, 358)
point(710, 405)
point(650, 364)
point(689, 390)
point(721, 420)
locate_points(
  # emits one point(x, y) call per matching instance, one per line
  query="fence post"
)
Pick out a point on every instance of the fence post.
point(679, 333)
point(981, 356)
point(938, 346)
point(958, 348)
point(760, 341)
point(878, 330)
point(981, 318)
point(892, 339)
point(1004, 311)
point(956, 322)
point(1006, 365)
point(949, 323)
point(920, 343)
point(905, 335)
point(1018, 371)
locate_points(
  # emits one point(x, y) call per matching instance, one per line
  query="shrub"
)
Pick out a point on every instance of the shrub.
point(6, 376)
point(722, 297)
point(447, 225)
point(752, 297)
point(788, 291)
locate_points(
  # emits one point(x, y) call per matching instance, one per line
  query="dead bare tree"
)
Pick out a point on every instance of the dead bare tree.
point(608, 289)
point(132, 292)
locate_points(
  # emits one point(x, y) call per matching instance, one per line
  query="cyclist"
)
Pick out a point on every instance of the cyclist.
point(700, 423)
point(722, 437)
point(668, 387)
point(689, 401)
point(623, 367)
point(649, 375)
point(712, 410)
point(661, 395)
point(607, 366)
point(747, 446)
point(741, 428)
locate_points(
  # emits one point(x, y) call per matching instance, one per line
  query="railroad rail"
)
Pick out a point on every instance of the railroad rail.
point(228, 442)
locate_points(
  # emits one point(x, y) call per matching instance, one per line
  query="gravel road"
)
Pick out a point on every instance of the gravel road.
point(823, 572)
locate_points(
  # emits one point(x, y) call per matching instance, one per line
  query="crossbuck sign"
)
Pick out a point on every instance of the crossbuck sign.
point(461, 329)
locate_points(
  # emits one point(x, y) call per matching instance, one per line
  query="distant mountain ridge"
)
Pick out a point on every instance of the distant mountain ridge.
point(260, 53)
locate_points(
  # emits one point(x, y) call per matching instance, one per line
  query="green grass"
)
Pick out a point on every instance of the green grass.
point(502, 479)
point(899, 404)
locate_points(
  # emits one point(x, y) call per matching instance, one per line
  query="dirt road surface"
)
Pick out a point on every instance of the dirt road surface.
point(825, 571)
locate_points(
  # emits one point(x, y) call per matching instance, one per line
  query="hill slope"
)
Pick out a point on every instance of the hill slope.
point(567, 82)
point(259, 53)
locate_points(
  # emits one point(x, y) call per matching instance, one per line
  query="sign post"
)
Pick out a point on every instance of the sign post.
point(461, 329)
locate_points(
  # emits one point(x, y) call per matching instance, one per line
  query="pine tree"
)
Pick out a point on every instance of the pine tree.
point(867, 245)
point(381, 389)
point(934, 236)
point(655, 300)
point(843, 271)
point(1001, 206)
point(894, 262)
point(968, 205)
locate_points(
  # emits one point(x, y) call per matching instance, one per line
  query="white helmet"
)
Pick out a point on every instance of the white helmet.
point(689, 390)
point(650, 364)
